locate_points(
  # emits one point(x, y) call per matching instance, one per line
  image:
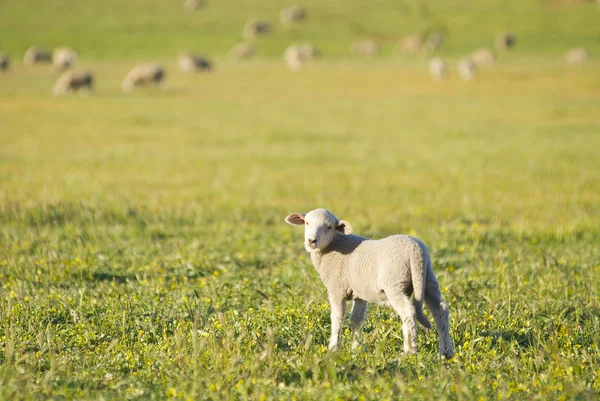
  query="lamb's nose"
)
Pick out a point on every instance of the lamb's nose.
point(312, 241)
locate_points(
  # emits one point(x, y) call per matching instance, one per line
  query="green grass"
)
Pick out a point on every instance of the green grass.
point(143, 253)
point(119, 30)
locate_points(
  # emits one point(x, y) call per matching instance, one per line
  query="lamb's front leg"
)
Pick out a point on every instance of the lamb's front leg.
point(338, 310)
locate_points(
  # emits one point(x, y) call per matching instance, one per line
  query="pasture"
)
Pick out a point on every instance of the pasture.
point(143, 252)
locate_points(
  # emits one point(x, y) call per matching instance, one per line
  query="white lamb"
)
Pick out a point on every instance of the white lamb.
point(385, 271)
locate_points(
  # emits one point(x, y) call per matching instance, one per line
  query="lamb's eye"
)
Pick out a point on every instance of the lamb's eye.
point(329, 227)
point(306, 222)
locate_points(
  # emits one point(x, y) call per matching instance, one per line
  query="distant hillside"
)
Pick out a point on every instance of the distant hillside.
point(118, 29)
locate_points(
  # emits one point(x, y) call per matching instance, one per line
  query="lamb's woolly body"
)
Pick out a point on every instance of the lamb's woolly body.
point(363, 265)
point(386, 271)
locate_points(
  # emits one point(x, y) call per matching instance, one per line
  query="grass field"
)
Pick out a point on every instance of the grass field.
point(143, 253)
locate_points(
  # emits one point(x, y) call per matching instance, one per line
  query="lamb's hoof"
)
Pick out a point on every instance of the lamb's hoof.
point(358, 345)
point(447, 355)
point(410, 351)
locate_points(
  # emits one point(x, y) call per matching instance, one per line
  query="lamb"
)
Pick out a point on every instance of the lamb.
point(483, 57)
point(35, 55)
point(74, 81)
point(365, 48)
point(292, 14)
point(294, 57)
point(63, 58)
point(385, 271)
point(190, 62)
point(466, 69)
point(254, 28)
point(505, 41)
point(193, 5)
point(577, 55)
point(309, 51)
point(4, 62)
point(143, 74)
point(411, 44)
point(438, 69)
point(242, 51)
point(433, 42)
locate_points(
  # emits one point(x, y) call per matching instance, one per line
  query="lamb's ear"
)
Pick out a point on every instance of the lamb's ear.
point(295, 219)
point(344, 227)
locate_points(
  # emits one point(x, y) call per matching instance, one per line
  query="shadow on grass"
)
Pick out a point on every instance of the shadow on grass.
point(118, 278)
point(523, 340)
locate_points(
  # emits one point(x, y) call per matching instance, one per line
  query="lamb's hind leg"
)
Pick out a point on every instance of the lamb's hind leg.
point(441, 314)
point(405, 308)
point(357, 318)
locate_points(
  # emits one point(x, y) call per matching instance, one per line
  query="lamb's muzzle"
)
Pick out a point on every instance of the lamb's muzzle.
point(386, 271)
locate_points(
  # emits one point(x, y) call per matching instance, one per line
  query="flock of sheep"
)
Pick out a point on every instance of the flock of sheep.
point(295, 56)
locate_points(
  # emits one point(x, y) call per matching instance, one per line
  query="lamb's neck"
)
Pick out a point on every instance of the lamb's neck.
point(339, 242)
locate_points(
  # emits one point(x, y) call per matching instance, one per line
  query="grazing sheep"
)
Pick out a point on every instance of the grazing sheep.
point(365, 48)
point(483, 57)
point(433, 42)
point(254, 28)
point(143, 74)
point(466, 69)
point(4, 62)
point(242, 51)
point(309, 51)
point(411, 44)
point(438, 69)
point(293, 57)
point(292, 14)
point(192, 5)
point(71, 81)
point(505, 41)
point(577, 55)
point(385, 271)
point(190, 62)
point(35, 55)
point(63, 58)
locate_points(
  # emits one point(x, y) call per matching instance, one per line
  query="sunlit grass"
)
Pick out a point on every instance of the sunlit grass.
point(143, 253)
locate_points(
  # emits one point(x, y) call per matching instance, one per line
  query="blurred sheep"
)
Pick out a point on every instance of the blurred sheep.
point(4, 62)
point(309, 51)
point(292, 14)
point(483, 57)
point(411, 44)
point(254, 28)
point(577, 55)
point(143, 74)
point(293, 57)
point(365, 48)
point(63, 58)
point(505, 41)
point(418, 43)
point(35, 55)
point(242, 51)
point(73, 81)
point(433, 42)
point(190, 62)
point(192, 5)
point(466, 69)
point(438, 68)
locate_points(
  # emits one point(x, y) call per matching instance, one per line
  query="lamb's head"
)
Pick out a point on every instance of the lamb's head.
point(320, 227)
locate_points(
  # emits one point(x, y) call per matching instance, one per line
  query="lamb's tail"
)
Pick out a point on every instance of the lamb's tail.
point(418, 269)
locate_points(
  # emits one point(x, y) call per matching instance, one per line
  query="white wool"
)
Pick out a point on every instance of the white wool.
point(143, 74)
point(386, 271)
